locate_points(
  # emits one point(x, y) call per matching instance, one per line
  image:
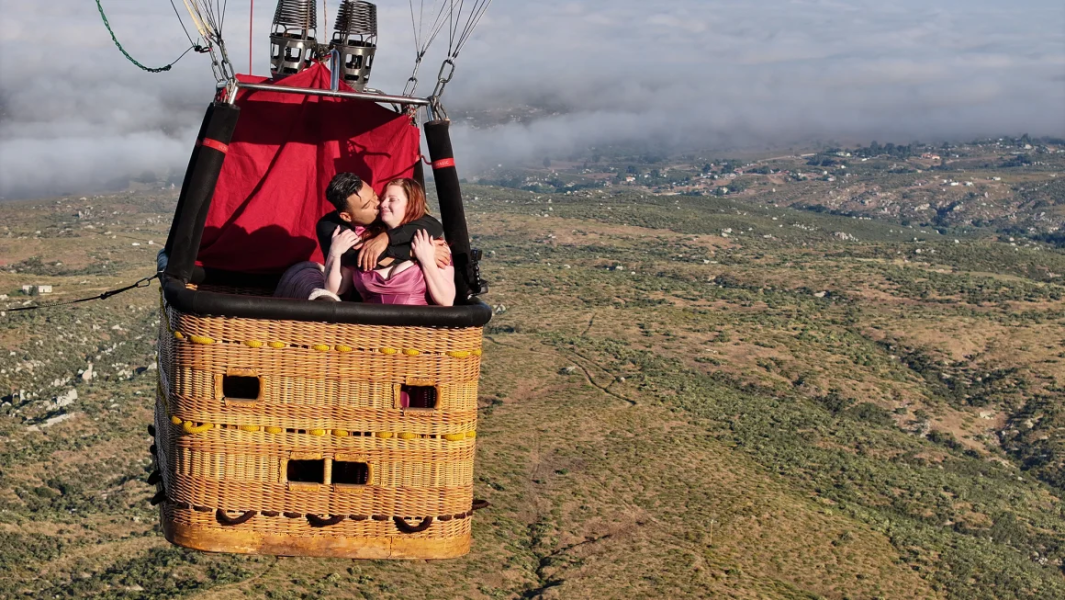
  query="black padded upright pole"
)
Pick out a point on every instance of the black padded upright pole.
point(419, 173)
point(184, 193)
point(467, 275)
point(187, 230)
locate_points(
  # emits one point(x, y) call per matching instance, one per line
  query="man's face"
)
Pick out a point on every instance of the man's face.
point(362, 207)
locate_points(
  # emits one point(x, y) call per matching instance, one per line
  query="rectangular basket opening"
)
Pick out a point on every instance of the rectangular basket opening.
point(350, 473)
point(305, 471)
point(417, 396)
point(241, 387)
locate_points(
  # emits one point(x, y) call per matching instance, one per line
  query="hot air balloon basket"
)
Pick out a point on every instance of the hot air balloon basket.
point(316, 439)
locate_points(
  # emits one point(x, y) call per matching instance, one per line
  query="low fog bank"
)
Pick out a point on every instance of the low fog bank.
point(90, 121)
point(720, 76)
point(557, 78)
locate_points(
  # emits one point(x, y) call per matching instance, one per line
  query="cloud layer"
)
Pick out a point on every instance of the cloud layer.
point(684, 74)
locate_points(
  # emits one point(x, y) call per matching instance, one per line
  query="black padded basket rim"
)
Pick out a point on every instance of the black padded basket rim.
point(218, 304)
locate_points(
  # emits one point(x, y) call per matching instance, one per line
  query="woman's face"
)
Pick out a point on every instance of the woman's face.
point(393, 206)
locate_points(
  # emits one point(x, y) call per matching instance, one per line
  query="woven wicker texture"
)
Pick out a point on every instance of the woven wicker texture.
point(325, 398)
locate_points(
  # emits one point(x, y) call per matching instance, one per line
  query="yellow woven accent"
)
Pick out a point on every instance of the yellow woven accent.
point(455, 437)
point(175, 420)
point(274, 430)
point(253, 344)
point(388, 351)
point(318, 432)
point(193, 429)
point(251, 428)
point(384, 435)
point(340, 433)
point(341, 348)
point(277, 344)
point(199, 339)
point(471, 434)
point(407, 435)
point(321, 347)
point(478, 352)
point(177, 335)
point(411, 352)
point(459, 354)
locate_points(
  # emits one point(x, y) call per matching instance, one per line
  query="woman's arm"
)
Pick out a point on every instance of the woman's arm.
point(441, 284)
point(439, 281)
point(338, 278)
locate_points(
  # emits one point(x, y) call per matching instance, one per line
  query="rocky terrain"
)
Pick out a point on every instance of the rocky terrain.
point(815, 392)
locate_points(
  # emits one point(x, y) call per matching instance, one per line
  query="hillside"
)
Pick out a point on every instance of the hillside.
point(685, 396)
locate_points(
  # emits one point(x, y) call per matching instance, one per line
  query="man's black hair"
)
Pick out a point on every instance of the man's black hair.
point(342, 187)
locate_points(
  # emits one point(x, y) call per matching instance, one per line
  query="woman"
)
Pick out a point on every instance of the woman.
point(404, 282)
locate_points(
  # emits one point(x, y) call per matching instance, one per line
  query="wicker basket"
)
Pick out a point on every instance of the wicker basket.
point(294, 438)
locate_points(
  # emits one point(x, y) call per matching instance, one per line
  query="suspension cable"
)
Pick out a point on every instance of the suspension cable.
point(422, 39)
point(183, 28)
point(197, 19)
point(472, 20)
point(208, 20)
point(458, 35)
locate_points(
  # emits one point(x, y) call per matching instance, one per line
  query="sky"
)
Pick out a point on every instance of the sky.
point(76, 117)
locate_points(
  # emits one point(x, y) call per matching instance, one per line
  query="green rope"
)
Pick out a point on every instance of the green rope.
point(123, 50)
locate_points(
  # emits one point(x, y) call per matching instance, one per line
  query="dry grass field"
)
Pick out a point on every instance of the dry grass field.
point(683, 397)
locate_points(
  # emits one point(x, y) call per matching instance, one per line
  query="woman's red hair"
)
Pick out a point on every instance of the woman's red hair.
point(417, 206)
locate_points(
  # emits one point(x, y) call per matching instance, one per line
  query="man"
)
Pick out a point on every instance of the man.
point(356, 206)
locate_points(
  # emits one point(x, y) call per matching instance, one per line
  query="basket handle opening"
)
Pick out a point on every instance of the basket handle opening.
point(228, 521)
point(317, 521)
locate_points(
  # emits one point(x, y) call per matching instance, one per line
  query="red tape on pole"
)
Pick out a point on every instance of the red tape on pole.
point(215, 144)
point(443, 163)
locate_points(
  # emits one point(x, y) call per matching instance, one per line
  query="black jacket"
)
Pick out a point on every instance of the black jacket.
point(399, 239)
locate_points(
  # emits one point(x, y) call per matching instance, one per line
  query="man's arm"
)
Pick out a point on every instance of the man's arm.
point(399, 239)
point(324, 231)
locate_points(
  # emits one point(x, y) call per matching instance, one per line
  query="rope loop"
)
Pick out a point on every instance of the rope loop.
point(114, 39)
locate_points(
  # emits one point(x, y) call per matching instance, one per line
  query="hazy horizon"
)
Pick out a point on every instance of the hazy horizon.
point(688, 75)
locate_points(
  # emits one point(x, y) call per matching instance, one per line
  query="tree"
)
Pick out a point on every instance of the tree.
point(547, 162)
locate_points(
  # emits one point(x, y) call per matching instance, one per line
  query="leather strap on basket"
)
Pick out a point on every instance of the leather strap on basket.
point(403, 526)
point(317, 521)
point(479, 504)
point(225, 519)
point(156, 499)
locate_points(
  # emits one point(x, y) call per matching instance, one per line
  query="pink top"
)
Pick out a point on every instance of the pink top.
point(405, 287)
